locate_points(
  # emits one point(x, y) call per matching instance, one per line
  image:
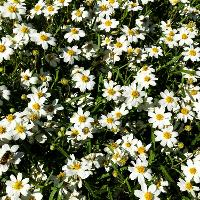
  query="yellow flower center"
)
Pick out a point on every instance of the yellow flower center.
point(37, 7)
point(78, 13)
point(2, 129)
point(130, 50)
point(133, 5)
point(44, 37)
point(184, 36)
point(61, 175)
point(40, 94)
point(159, 117)
point(2, 48)
point(33, 117)
point(140, 169)
point(26, 77)
point(74, 31)
point(16, 1)
point(128, 144)
point(147, 78)
point(85, 79)
point(76, 166)
point(74, 133)
point(158, 184)
point(103, 7)
point(70, 52)
point(148, 196)
point(107, 40)
point(111, 91)
point(114, 145)
point(82, 119)
point(108, 22)
point(116, 156)
point(17, 185)
point(111, 1)
point(24, 29)
point(10, 117)
point(167, 135)
point(141, 150)
point(155, 49)
point(50, 8)
point(12, 9)
point(118, 114)
point(43, 77)
point(118, 44)
point(20, 128)
point(36, 106)
point(145, 68)
point(110, 120)
point(135, 94)
point(169, 99)
point(61, 1)
point(123, 160)
point(192, 52)
point(193, 170)
point(193, 92)
point(169, 38)
point(171, 33)
point(131, 32)
point(184, 111)
point(188, 185)
point(137, 50)
point(86, 130)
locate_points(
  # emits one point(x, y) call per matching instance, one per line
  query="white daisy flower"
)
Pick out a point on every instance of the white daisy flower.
point(84, 81)
point(168, 101)
point(70, 54)
point(5, 49)
point(192, 170)
point(44, 39)
point(186, 185)
point(166, 136)
point(82, 118)
point(74, 34)
point(139, 171)
point(159, 118)
point(27, 78)
point(109, 121)
point(37, 10)
point(50, 10)
point(75, 167)
point(185, 113)
point(191, 53)
point(17, 186)
point(111, 91)
point(155, 51)
point(79, 14)
point(147, 193)
point(12, 10)
point(21, 130)
point(108, 24)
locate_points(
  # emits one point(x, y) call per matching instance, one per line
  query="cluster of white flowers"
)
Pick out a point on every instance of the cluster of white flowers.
point(99, 89)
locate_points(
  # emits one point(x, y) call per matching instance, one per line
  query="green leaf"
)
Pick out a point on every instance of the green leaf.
point(90, 190)
point(151, 157)
point(109, 193)
point(51, 197)
point(166, 174)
